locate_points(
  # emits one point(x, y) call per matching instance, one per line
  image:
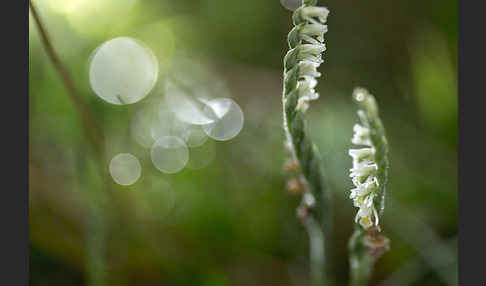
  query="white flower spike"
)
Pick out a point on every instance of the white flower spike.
point(369, 162)
point(306, 41)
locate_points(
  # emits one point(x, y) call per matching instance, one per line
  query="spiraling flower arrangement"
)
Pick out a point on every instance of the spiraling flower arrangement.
point(306, 42)
point(369, 175)
point(370, 163)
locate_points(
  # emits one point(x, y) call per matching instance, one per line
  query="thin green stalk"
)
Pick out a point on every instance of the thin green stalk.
point(369, 174)
point(96, 219)
point(94, 135)
point(300, 70)
point(360, 262)
point(95, 225)
point(316, 251)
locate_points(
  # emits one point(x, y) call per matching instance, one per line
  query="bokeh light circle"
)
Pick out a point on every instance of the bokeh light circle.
point(123, 71)
point(169, 154)
point(186, 108)
point(125, 169)
point(227, 119)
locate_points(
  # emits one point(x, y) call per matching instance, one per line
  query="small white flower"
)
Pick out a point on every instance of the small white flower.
point(363, 154)
point(310, 40)
point(306, 92)
point(315, 30)
point(312, 49)
point(311, 52)
point(302, 105)
point(365, 188)
point(361, 170)
point(310, 82)
point(309, 69)
point(312, 11)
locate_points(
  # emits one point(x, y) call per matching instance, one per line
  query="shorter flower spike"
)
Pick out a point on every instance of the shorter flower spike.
point(370, 163)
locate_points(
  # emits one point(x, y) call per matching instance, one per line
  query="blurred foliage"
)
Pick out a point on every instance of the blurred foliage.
point(232, 222)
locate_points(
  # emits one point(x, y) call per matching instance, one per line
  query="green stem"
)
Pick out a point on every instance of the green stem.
point(316, 251)
point(360, 262)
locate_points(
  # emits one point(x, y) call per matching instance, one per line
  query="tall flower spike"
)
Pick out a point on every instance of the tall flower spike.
point(300, 72)
point(370, 163)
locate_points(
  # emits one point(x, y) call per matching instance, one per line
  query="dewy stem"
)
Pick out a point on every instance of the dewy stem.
point(300, 70)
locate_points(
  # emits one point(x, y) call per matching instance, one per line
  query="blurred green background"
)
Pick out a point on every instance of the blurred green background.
point(232, 222)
